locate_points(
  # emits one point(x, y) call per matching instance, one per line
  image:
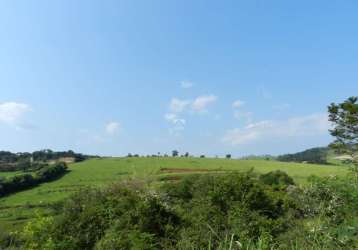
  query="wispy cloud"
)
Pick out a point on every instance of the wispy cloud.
point(311, 125)
point(178, 105)
point(186, 84)
point(12, 112)
point(201, 103)
point(174, 119)
point(112, 128)
point(241, 114)
point(238, 104)
point(177, 124)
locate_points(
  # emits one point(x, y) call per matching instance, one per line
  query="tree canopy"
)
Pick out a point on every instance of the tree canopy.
point(344, 117)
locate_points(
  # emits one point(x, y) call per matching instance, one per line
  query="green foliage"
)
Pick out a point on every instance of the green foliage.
point(18, 207)
point(24, 181)
point(314, 155)
point(329, 212)
point(175, 153)
point(222, 211)
point(217, 206)
point(27, 161)
point(277, 179)
point(344, 117)
point(117, 218)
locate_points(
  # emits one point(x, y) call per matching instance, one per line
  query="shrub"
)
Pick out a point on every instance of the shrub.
point(222, 211)
point(277, 179)
point(219, 206)
point(117, 218)
point(24, 181)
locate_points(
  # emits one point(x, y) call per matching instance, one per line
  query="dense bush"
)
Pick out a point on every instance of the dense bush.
point(277, 179)
point(117, 218)
point(329, 209)
point(229, 211)
point(24, 181)
point(199, 212)
point(314, 155)
point(216, 208)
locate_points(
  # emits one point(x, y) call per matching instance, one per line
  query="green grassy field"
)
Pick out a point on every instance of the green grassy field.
point(8, 174)
point(20, 207)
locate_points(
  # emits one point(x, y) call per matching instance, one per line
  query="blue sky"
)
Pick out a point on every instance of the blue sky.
point(208, 77)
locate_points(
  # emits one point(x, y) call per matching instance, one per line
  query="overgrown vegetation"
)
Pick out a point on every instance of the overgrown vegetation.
point(24, 181)
point(229, 211)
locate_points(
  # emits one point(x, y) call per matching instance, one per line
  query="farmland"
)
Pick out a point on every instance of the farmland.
point(18, 208)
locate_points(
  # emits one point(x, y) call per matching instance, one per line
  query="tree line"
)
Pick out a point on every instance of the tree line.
point(314, 155)
point(24, 181)
point(23, 161)
point(175, 153)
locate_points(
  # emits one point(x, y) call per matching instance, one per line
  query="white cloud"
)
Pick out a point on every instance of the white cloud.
point(12, 112)
point(174, 119)
point(178, 124)
point(239, 136)
point(112, 128)
point(311, 125)
point(201, 103)
point(178, 105)
point(238, 104)
point(186, 84)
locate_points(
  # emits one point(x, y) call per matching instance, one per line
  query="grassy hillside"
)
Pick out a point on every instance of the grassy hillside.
point(7, 174)
point(18, 208)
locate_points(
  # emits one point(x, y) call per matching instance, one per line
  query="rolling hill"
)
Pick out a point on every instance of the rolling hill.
point(20, 207)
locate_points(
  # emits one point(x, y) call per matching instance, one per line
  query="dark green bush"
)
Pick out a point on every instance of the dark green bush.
point(277, 179)
point(228, 211)
point(117, 218)
point(217, 207)
point(24, 181)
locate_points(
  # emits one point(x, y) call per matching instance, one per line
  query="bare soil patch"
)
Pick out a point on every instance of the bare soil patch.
point(184, 170)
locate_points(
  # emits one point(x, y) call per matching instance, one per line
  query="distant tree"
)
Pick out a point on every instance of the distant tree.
point(129, 155)
point(186, 154)
point(228, 156)
point(313, 155)
point(175, 153)
point(202, 156)
point(344, 117)
point(24, 164)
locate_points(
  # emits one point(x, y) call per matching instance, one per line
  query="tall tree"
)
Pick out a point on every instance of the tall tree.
point(175, 153)
point(344, 117)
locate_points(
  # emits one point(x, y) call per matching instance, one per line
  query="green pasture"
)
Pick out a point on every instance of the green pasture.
point(17, 208)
